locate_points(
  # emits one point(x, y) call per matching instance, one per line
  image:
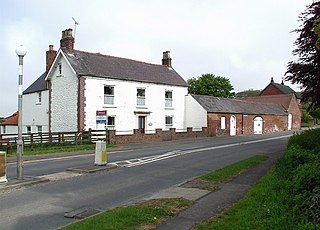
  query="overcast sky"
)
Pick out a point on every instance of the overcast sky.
point(246, 41)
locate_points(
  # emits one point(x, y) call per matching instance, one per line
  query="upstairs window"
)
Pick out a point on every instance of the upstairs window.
point(108, 95)
point(168, 98)
point(60, 69)
point(39, 97)
point(141, 96)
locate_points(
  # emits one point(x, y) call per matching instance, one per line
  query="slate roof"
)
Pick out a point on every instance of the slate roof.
point(98, 65)
point(38, 85)
point(284, 89)
point(227, 105)
point(283, 99)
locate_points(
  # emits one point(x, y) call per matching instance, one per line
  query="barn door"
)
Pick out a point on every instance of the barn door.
point(257, 125)
point(233, 127)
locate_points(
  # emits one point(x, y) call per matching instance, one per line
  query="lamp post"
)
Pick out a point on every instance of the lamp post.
point(21, 51)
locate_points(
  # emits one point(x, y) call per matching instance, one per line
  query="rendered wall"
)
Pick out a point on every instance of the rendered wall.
point(34, 113)
point(125, 109)
point(64, 98)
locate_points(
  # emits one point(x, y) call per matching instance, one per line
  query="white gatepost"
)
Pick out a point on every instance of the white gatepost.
point(3, 167)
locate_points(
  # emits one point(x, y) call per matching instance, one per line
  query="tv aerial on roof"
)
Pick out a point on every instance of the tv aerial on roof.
point(75, 26)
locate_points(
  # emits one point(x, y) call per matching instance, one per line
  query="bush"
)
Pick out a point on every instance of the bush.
point(306, 188)
point(307, 140)
point(300, 168)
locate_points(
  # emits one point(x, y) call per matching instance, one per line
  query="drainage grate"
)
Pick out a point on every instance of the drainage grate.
point(82, 213)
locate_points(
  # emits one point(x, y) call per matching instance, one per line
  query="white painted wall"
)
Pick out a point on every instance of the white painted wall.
point(10, 129)
point(195, 114)
point(64, 98)
point(125, 109)
point(34, 113)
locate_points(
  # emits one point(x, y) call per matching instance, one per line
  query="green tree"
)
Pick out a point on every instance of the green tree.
point(209, 84)
point(305, 70)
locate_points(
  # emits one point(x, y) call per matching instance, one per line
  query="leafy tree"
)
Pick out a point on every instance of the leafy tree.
point(306, 69)
point(248, 93)
point(209, 84)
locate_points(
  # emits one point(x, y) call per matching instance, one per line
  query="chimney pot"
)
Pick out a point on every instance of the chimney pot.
point(166, 59)
point(67, 40)
point(50, 56)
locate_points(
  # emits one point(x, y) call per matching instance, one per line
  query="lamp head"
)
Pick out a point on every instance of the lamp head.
point(21, 50)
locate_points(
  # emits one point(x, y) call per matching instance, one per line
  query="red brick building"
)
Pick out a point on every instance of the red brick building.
point(276, 93)
point(227, 116)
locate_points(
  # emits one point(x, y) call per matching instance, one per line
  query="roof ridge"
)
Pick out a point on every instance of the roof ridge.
point(122, 58)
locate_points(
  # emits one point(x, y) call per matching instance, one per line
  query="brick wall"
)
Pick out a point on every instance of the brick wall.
point(294, 110)
point(270, 90)
point(139, 136)
point(245, 123)
point(82, 104)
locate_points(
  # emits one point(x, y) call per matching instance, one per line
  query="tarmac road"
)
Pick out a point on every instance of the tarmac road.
point(151, 168)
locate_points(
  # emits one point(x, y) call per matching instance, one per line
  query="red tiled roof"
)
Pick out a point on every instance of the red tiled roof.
point(283, 99)
point(12, 120)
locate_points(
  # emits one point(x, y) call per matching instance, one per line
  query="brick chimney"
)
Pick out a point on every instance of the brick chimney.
point(50, 56)
point(166, 59)
point(67, 40)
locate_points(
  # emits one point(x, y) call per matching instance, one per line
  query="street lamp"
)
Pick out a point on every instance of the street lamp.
point(21, 51)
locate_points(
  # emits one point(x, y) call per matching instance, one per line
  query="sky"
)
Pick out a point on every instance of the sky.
point(245, 41)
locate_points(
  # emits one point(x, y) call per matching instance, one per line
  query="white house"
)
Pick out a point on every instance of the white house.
point(91, 90)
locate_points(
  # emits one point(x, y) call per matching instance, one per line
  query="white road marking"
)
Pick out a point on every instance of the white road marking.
point(146, 160)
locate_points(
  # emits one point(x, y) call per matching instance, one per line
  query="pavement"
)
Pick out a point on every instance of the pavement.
point(206, 203)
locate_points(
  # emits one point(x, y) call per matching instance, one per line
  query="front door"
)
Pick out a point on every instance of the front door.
point(142, 123)
point(233, 127)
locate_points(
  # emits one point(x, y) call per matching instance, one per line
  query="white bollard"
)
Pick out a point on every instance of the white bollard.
point(101, 153)
point(3, 167)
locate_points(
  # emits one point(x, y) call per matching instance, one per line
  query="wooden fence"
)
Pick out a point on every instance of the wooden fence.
point(55, 138)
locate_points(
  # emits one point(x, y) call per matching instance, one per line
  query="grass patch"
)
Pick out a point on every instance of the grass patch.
point(231, 171)
point(287, 198)
point(264, 207)
point(54, 148)
point(146, 215)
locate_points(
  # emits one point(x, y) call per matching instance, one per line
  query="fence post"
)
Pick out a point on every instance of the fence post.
point(31, 140)
point(59, 137)
point(107, 136)
point(90, 135)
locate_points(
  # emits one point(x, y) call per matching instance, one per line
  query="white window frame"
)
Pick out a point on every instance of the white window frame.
point(141, 96)
point(111, 126)
point(60, 69)
point(39, 97)
point(169, 123)
point(108, 98)
point(29, 129)
point(39, 128)
point(168, 100)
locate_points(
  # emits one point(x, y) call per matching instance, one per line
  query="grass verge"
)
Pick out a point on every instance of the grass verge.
point(287, 198)
point(145, 215)
point(47, 149)
point(209, 181)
